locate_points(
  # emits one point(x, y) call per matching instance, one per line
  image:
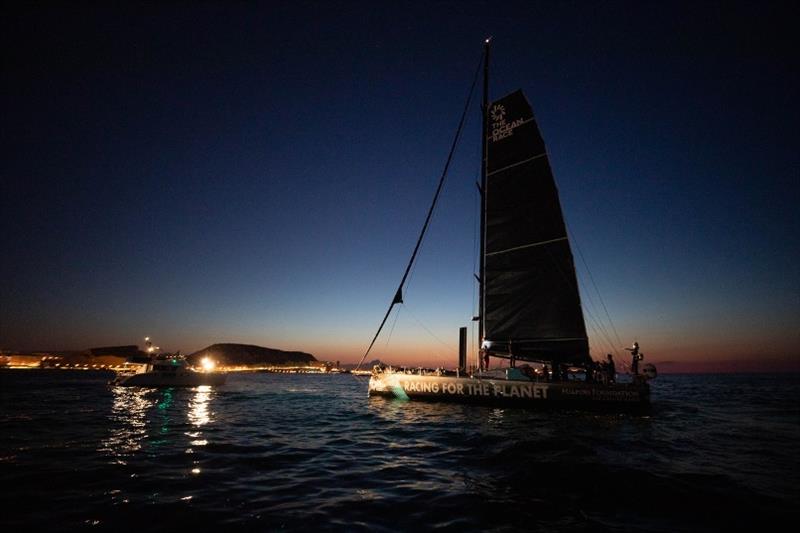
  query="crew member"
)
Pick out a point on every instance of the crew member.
point(611, 368)
point(635, 358)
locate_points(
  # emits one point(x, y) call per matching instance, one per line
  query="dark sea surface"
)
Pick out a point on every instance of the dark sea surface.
point(311, 452)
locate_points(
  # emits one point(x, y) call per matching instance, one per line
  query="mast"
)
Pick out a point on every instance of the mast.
point(484, 152)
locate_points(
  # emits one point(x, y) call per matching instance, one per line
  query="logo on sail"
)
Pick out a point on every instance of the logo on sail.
point(500, 127)
point(498, 112)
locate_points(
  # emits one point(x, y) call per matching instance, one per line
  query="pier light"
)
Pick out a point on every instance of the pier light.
point(208, 364)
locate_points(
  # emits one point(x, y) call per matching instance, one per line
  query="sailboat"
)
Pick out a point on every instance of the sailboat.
point(529, 302)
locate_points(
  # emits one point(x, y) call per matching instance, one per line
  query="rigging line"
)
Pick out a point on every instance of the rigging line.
point(602, 335)
point(594, 284)
point(389, 337)
point(448, 346)
point(590, 308)
point(607, 341)
point(398, 296)
point(602, 342)
point(574, 284)
point(592, 323)
point(593, 309)
point(594, 348)
point(566, 275)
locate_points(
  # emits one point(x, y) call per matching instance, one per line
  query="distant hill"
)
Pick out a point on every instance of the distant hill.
point(247, 354)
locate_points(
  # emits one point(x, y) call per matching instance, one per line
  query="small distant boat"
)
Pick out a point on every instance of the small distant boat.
point(529, 308)
point(166, 370)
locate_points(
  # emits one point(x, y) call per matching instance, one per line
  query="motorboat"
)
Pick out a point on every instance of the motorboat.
point(166, 370)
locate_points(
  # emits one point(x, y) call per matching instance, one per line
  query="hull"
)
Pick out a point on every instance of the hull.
point(157, 379)
point(511, 392)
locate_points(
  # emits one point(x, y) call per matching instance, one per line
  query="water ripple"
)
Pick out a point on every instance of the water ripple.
point(295, 452)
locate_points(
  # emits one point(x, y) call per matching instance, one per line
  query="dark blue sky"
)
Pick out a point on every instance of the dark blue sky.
point(259, 173)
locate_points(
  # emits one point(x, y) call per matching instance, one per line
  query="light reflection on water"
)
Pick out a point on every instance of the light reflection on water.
point(145, 416)
point(199, 415)
point(128, 421)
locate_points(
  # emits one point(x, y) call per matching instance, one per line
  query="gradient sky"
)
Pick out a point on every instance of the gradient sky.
point(259, 173)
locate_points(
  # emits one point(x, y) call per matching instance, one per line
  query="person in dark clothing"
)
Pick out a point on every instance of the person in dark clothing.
point(557, 371)
point(611, 368)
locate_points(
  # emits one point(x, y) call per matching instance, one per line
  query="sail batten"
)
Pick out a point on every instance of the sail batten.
point(543, 154)
point(531, 302)
point(559, 239)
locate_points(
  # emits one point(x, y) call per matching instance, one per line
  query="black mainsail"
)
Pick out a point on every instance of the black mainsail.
point(531, 302)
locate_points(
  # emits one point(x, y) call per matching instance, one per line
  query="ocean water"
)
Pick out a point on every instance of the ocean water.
point(311, 452)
